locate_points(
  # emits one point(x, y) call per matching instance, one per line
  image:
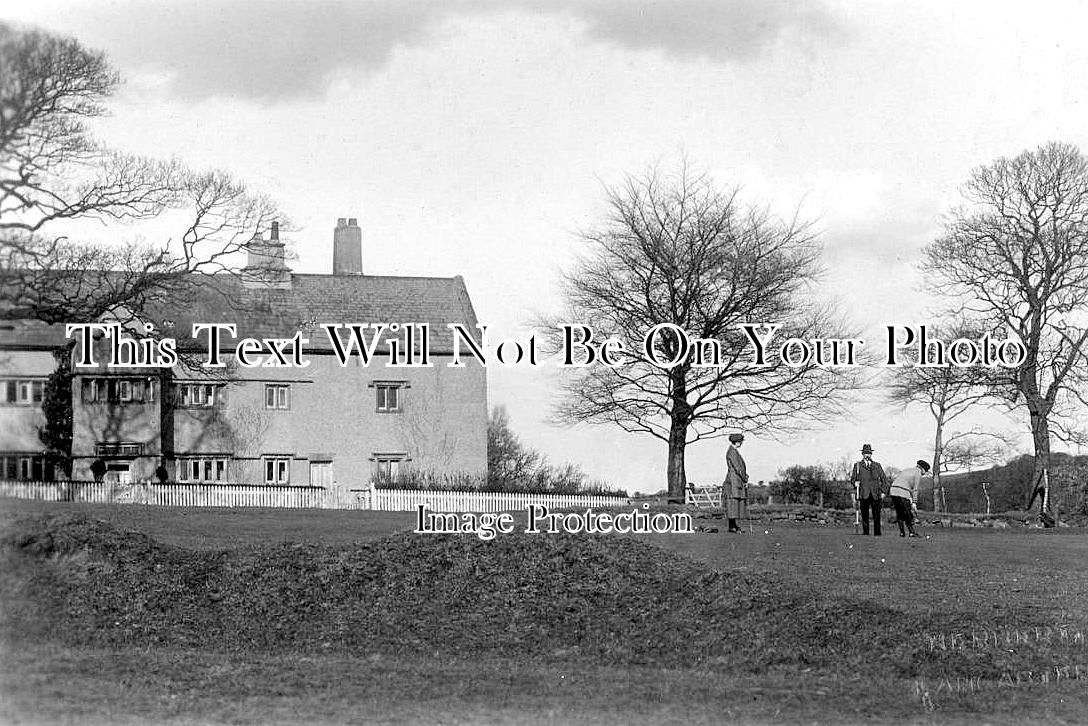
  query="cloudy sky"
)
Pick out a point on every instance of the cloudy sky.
point(477, 138)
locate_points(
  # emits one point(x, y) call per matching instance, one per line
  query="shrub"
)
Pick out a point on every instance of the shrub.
point(809, 485)
point(513, 467)
point(56, 432)
point(428, 480)
point(568, 480)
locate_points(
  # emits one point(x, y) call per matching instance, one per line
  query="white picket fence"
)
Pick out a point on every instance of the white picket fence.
point(290, 497)
point(168, 495)
point(399, 500)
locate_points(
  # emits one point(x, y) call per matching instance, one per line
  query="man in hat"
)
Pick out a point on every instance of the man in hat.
point(869, 487)
point(904, 491)
point(735, 486)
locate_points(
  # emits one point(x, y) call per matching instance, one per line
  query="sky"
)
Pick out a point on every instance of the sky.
point(479, 139)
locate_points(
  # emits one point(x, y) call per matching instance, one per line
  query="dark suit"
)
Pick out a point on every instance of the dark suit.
point(871, 486)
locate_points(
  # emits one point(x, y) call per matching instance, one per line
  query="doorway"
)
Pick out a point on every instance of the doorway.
point(118, 472)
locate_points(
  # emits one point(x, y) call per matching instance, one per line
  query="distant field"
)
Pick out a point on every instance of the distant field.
point(795, 622)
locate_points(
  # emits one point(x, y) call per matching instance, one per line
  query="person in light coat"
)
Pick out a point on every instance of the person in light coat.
point(735, 486)
point(904, 491)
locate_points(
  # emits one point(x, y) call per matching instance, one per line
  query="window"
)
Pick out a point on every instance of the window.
point(30, 392)
point(277, 470)
point(321, 473)
point(22, 392)
point(202, 468)
point(389, 395)
point(94, 390)
point(118, 390)
point(33, 467)
point(196, 395)
point(277, 395)
point(119, 449)
point(387, 467)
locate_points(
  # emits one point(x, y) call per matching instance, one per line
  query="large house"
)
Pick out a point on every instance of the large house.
point(326, 424)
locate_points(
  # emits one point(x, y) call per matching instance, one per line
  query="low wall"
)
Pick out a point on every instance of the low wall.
point(816, 515)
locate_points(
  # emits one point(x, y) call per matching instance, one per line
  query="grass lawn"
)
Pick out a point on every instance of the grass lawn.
point(967, 626)
point(221, 528)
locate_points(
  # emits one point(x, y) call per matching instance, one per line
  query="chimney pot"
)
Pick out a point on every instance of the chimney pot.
point(265, 266)
point(347, 248)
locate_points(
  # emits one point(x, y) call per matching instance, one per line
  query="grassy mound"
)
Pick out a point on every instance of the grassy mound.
point(606, 600)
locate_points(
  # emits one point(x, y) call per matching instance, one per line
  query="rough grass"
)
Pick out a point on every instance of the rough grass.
point(791, 624)
point(617, 601)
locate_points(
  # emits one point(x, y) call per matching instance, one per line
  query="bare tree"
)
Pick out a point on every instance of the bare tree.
point(966, 450)
point(948, 392)
point(1016, 255)
point(423, 430)
point(56, 180)
point(53, 173)
point(839, 470)
point(509, 461)
point(243, 429)
point(676, 249)
point(969, 449)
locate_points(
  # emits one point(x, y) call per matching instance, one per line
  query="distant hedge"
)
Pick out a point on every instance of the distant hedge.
point(427, 480)
point(1010, 486)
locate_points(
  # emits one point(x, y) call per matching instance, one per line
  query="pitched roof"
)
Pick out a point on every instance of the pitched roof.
point(310, 301)
point(30, 335)
point(316, 300)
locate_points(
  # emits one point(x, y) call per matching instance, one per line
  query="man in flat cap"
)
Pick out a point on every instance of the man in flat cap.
point(904, 491)
point(735, 486)
point(870, 484)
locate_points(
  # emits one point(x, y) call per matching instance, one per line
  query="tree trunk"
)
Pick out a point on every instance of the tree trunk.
point(166, 400)
point(678, 481)
point(939, 504)
point(680, 415)
point(1040, 475)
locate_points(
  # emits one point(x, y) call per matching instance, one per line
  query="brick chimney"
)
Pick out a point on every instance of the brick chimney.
point(265, 264)
point(347, 247)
